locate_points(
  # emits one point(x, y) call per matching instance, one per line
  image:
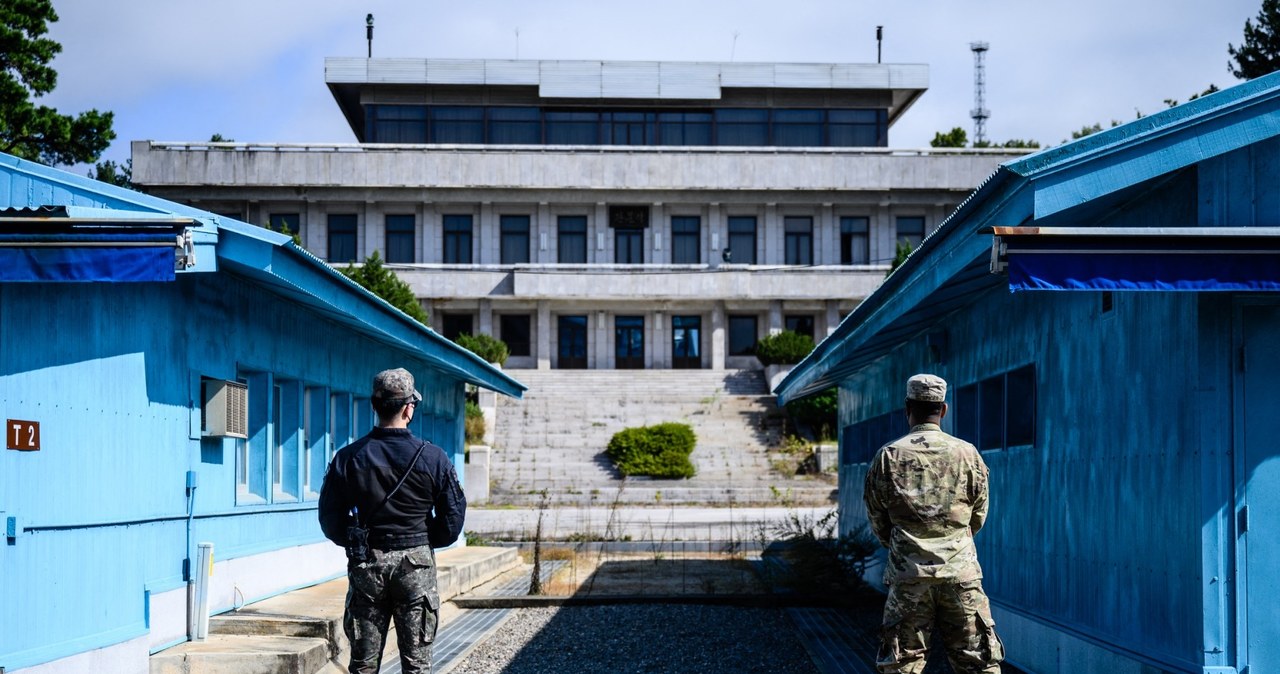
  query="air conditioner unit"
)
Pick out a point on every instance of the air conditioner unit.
point(226, 409)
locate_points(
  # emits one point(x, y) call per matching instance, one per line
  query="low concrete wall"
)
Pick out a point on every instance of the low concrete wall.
point(477, 475)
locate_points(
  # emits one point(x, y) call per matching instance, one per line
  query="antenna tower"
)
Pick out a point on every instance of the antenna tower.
point(979, 113)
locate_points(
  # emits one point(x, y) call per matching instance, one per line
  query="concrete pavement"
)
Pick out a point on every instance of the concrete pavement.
point(666, 523)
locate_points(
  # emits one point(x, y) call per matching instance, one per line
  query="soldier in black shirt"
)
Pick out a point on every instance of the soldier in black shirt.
point(404, 494)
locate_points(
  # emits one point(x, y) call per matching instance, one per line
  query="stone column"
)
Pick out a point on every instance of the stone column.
point(486, 317)
point(827, 241)
point(487, 236)
point(717, 238)
point(771, 233)
point(658, 236)
point(883, 234)
point(542, 338)
point(775, 317)
point(600, 343)
point(370, 231)
point(317, 230)
point(661, 343)
point(833, 316)
point(719, 342)
point(598, 236)
point(429, 229)
point(542, 235)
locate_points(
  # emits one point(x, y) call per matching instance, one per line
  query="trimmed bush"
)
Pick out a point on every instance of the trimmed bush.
point(818, 412)
point(658, 451)
point(473, 424)
point(784, 348)
point(491, 349)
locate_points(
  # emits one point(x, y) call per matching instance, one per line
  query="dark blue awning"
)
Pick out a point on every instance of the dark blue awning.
point(1164, 260)
point(39, 245)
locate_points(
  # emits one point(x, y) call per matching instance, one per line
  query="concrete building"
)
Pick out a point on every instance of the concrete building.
point(602, 214)
point(1123, 395)
point(169, 377)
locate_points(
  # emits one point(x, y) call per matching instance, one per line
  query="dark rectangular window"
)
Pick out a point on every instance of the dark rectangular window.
point(855, 240)
point(966, 413)
point(799, 324)
point(572, 127)
point(515, 238)
point(571, 239)
point(742, 239)
point(798, 239)
point(1020, 416)
point(629, 128)
point(628, 246)
point(395, 124)
point(742, 335)
point(686, 234)
point(456, 324)
point(515, 126)
point(798, 128)
point(457, 239)
point(342, 237)
point(857, 128)
point(991, 405)
point(741, 126)
point(684, 128)
point(910, 228)
point(457, 124)
point(285, 223)
point(628, 342)
point(400, 238)
point(514, 330)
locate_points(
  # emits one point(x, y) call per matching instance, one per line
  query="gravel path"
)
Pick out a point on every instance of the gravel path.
point(641, 638)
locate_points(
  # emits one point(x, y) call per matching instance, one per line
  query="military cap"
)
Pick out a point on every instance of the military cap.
point(928, 388)
point(394, 387)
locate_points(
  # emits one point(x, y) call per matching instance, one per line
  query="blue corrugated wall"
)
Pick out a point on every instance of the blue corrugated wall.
point(111, 371)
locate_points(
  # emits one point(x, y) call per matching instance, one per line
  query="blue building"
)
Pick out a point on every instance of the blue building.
point(170, 377)
point(1122, 394)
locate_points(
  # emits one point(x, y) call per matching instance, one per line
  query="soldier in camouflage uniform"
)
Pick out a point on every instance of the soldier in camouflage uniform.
point(398, 579)
point(926, 497)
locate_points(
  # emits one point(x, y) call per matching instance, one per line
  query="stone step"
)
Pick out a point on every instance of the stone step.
point(239, 654)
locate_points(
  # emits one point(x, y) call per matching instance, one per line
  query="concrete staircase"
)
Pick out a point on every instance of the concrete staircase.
point(554, 439)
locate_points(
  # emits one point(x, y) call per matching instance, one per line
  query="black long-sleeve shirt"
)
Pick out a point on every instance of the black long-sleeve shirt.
point(429, 508)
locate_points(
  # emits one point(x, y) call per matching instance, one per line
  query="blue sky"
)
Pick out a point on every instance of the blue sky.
point(180, 70)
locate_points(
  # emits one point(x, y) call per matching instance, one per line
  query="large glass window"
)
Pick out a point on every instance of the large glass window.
point(342, 237)
point(910, 229)
point(684, 128)
point(286, 443)
point(515, 126)
point(400, 238)
point(855, 240)
point(742, 240)
point(1020, 415)
point(745, 127)
point(686, 342)
point(457, 124)
point(857, 128)
point(396, 123)
point(742, 335)
point(798, 128)
point(252, 467)
point(686, 234)
point(285, 223)
point(515, 238)
point(457, 239)
point(798, 239)
point(315, 439)
point(629, 128)
point(572, 128)
point(628, 336)
point(455, 325)
point(991, 408)
point(572, 342)
point(628, 246)
point(799, 324)
point(514, 330)
point(571, 239)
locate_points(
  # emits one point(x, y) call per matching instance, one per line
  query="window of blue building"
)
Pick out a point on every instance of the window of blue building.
point(684, 128)
point(855, 240)
point(457, 124)
point(569, 127)
point(743, 331)
point(400, 238)
point(798, 128)
point(514, 241)
point(1020, 414)
point(340, 421)
point(742, 239)
point(457, 239)
point(515, 126)
point(798, 239)
point(998, 412)
point(286, 443)
point(315, 439)
point(396, 123)
point(910, 229)
point(342, 237)
point(571, 239)
point(742, 127)
point(686, 235)
point(252, 468)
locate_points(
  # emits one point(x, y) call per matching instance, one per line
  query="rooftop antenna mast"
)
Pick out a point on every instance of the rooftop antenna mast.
point(879, 40)
point(368, 33)
point(979, 113)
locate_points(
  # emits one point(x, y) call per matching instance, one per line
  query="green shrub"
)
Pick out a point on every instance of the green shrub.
point(658, 451)
point(491, 349)
point(818, 412)
point(784, 348)
point(473, 424)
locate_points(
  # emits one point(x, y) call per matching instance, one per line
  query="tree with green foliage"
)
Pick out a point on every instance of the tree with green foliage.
point(218, 138)
point(384, 283)
point(784, 348)
point(954, 138)
point(491, 349)
point(1259, 54)
point(901, 251)
point(38, 132)
point(120, 175)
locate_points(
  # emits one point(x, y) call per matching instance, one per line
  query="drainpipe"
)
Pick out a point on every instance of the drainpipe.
point(192, 483)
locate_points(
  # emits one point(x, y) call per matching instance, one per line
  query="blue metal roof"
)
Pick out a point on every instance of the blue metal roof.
point(950, 268)
point(266, 257)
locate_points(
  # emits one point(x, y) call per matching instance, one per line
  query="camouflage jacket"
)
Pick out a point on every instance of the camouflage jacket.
point(926, 496)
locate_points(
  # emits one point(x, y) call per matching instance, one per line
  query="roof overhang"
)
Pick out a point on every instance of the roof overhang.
point(61, 244)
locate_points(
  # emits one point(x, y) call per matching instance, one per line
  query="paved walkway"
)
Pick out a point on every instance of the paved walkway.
point(670, 523)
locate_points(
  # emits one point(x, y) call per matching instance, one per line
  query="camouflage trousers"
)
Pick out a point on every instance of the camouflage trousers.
point(962, 615)
point(399, 585)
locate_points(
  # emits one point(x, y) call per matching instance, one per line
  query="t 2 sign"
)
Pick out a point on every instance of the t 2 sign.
point(22, 435)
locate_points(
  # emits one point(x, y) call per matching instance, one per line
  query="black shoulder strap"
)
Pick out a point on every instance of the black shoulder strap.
point(408, 469)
